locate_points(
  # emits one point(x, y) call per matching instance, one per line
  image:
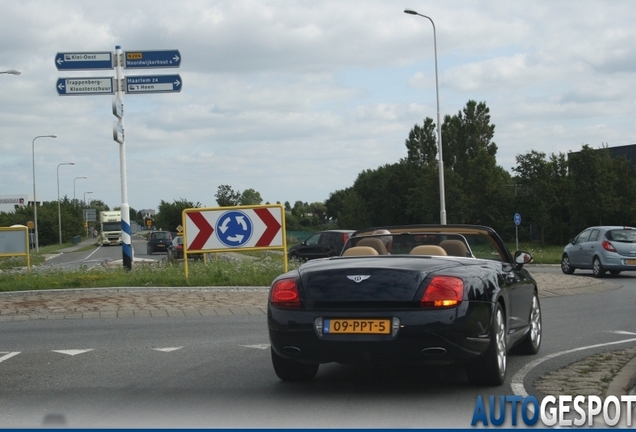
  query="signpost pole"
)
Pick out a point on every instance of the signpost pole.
point(126, 245)
point(517, 220)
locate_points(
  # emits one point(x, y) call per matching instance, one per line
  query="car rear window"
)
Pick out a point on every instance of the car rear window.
point(622, 235)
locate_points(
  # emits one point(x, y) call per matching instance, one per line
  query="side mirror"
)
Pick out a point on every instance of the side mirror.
point(522, 257)
point(573, 241)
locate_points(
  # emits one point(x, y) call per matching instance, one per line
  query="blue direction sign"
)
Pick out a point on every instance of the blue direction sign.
point(152, 59)
point(153, 84)
point(84, 60)
point(517, 219)
point(85, 86)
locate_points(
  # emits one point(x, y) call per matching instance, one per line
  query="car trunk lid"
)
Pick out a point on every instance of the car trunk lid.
point(373, 279)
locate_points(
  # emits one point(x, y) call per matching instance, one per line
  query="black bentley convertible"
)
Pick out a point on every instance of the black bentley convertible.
point(422, 294)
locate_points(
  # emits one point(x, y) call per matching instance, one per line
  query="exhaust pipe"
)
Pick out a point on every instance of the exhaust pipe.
point(434, 351)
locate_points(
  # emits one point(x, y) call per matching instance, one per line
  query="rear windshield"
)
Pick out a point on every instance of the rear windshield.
point(622, 235)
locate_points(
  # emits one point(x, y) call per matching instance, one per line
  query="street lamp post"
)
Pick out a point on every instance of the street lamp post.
point(85, 197)
point(35, 200)
point(11, 72)
point(85, 220)
point(442, 198)
point(74, 201)
point(59, 211)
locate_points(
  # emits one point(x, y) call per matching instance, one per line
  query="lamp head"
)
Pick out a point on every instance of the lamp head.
point(410, 12)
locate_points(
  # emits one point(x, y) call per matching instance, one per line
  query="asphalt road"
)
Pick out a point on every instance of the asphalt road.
point(212, 370)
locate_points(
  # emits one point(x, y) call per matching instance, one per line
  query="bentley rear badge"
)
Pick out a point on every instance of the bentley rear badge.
point(358, 278)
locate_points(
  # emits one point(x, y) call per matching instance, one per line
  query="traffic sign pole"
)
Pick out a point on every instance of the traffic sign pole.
point(126, 245)
point(517, 219)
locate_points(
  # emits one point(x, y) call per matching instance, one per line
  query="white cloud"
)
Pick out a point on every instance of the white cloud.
point(295, 98)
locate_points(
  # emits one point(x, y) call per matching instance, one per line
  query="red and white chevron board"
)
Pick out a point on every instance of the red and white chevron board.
point(204, 227)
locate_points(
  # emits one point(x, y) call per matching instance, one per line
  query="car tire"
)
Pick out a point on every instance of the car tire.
point(566, 266)
point(597, 268)
point(148, 251)
point(615, 272)
point(490, 369)
point(291, 370)
point(532, 342)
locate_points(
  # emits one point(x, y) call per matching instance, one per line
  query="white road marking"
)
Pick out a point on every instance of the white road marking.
point(258, 346)
point(167, 349)
point(623, 332)
point(73, 351)
point(8, 355)
point(517, 380)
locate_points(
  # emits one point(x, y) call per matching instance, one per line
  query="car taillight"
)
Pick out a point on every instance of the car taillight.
point(284, 294)
point(179, 247)
point(443, 291)
point(608, 246)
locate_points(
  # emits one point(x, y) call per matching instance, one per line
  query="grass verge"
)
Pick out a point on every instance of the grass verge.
point(259, 270)
point(161, 274)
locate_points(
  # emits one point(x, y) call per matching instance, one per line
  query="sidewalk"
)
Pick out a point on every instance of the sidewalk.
point(84, 243)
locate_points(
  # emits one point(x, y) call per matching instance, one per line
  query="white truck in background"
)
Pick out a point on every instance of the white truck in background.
point(110, 224)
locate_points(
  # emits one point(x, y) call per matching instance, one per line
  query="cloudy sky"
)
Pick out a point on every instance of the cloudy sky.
point(295, 98)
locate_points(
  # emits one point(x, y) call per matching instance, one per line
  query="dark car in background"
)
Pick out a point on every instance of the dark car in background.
point(175, 250)
point(443, 295)
point(158, 241)
point(322, 244)
point(601, 249)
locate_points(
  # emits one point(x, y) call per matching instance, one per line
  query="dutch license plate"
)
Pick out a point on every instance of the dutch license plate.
point(357, 326)
point(630, 262)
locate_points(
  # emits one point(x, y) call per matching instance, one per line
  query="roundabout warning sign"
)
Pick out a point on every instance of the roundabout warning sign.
point(242, 227)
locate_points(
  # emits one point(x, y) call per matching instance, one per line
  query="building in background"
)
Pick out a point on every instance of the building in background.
point(8, 203)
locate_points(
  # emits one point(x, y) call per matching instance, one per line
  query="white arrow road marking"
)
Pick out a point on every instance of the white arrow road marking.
point(8, 355)
point(73, 351)
point(259, 346)
point(167, 349)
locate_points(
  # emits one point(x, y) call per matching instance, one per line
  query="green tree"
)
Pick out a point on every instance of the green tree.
point(540, 184)
point(227, 197)
point(169, 216)
point(250, 197)
point(354, 214)
point(99, 205)
point(465, 135)
point(591, 189)
point(421, 145)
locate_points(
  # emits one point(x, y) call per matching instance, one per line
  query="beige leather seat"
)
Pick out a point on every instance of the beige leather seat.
point(360, 251)
point(375, 243)
point(428, 250)
point(455, 248)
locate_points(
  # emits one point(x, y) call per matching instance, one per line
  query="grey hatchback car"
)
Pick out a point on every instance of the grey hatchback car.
point(601, 249)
